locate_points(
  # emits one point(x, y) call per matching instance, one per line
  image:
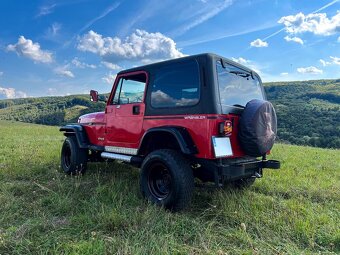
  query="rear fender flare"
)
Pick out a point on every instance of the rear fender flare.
point(182, 136)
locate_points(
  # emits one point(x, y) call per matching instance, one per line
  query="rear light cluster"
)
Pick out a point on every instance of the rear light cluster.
point(225, 128)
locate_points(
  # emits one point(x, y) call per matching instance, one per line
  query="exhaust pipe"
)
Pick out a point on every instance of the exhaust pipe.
point(125, 158)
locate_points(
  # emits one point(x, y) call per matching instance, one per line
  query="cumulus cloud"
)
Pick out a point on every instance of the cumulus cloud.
point(77, 63)
point(258, 43)
point(139, 45)
point(316, 23)
point(10, 93)
point(109, 78)
point(248, 63)
point(63, 71)
point(335, 60)
point(332, 61)
point(294, 39)
point(26, 48)
point(111, 65)
point(284, 74)
point(339, 39)
point(309, 70)
point(241, 61)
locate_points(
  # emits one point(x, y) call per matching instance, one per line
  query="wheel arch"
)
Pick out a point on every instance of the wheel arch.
point(79, 132)
point(178, 136)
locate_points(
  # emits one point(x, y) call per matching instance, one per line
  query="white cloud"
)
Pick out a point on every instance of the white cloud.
point(316, 23)
point(339, 39)
point(53, 30)
point(46, 9)
point(284, 74)
point(77, 63)
point(309, 70)
point(52, 91)
point(139, 45)
point(248, 63)
point(111, 65)
point(335, 60)
point(11, 93)
point(63, 71)
point(109, 78)
point(294, 39)
point(241, 61)
point(25, 47)
point(258, 43)
point(324, 63)
point(204, 14)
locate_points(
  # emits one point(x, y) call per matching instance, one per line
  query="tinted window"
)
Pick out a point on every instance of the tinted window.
point(176, 85)
point(237, 86)
point(130, 90)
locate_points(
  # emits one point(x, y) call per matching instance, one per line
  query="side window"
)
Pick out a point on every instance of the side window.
point(130, 89)
point(176, 85)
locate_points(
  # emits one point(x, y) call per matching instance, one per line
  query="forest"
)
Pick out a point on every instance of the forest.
point(308, 111)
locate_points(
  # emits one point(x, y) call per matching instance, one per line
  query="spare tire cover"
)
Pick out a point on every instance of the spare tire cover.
point(257, 127)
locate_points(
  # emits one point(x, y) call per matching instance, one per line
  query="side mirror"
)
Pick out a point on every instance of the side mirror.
point(94, 95)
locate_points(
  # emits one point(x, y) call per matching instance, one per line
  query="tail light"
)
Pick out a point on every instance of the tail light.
point(225, 128)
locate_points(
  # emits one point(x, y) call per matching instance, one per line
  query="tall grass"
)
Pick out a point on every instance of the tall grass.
point(295, 210)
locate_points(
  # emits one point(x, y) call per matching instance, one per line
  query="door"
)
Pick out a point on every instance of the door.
point(125, 111)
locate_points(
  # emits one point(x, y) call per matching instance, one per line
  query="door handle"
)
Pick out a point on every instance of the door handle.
point(135, 109)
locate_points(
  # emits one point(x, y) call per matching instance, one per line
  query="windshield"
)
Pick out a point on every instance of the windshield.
point(237, 86)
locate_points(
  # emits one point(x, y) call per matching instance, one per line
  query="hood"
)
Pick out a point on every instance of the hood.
point(92, 118)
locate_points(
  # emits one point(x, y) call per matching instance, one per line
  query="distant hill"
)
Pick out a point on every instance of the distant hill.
point(308, 111)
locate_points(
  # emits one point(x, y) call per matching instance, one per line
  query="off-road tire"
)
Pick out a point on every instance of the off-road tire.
point(166, 179)
point(243, 183)
point(73, 159)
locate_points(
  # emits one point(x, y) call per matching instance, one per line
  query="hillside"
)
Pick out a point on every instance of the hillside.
point(308, 111)
point(295, 210)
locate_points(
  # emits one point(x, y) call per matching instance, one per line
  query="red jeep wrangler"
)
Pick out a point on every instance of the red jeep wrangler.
point(200, 116)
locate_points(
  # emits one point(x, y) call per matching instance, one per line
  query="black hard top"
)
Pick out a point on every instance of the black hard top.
point(209, 102)
point(208, 56)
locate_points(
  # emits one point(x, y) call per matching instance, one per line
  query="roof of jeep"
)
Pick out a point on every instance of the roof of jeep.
point(207, 55)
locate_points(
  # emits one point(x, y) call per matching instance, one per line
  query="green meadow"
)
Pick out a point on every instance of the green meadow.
point(295, 210)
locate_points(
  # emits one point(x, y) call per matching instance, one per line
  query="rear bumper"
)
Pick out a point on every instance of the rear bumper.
point(253, 168)
point(221, 171)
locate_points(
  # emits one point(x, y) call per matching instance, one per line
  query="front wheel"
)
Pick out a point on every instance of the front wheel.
point(167, 179)
point(73, 159)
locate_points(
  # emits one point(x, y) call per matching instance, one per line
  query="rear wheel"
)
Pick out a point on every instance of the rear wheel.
point(167, 179)
point(73, 158)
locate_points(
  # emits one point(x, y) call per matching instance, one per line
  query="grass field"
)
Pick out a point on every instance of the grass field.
point(292, 211)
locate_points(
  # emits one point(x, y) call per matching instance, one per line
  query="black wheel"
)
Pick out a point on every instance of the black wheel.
point(167, 179)
point(73, 158)
point(243, 183)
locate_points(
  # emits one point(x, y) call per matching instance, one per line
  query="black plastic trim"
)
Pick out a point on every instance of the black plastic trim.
point(181, 135)
point(79, 132)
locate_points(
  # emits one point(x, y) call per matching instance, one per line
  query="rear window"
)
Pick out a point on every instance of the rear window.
point(176, 85)
point(237, 86)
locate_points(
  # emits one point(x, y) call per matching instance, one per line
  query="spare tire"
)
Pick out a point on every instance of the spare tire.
point(257, 127)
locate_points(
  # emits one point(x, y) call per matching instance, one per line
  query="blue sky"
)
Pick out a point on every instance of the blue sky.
point(50, 47)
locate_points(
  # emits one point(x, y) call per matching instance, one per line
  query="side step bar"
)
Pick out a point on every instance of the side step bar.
point(126, 158)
